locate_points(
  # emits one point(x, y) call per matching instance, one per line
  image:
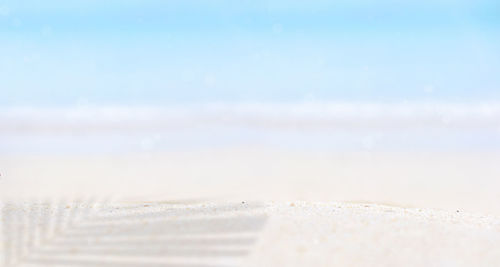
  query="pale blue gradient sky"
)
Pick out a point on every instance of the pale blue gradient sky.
point(171, 52)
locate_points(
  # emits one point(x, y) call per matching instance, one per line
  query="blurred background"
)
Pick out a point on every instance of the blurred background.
point(374, 101)
point(65, 53)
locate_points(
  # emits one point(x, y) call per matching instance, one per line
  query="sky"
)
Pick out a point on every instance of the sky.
point(148, 52)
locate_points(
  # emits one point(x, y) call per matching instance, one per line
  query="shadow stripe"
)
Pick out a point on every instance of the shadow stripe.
point(96, 263)
point(76, 228)
point(145, 252)
point(157, 242)
point(174, 227)
point(176, 211)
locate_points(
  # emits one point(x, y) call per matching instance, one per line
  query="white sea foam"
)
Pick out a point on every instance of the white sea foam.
point(389, 111)
point(330, 126)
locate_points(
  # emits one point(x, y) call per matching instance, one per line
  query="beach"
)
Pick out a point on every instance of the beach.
point(451, 181)
point(96, 188)
point(266, 133)
point(282, 209)
point(191, 233)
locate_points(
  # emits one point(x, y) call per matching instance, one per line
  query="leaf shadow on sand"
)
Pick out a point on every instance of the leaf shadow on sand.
point(104, 233)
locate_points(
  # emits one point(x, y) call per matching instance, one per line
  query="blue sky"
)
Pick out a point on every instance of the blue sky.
point(171, 52)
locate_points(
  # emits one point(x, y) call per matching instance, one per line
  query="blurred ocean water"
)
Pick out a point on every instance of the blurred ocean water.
point(305, 126)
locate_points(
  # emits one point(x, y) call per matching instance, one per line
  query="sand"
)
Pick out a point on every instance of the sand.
point(450, 181)
point(251, 207)
point(121, 233)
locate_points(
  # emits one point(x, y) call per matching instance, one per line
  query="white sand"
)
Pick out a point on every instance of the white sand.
point(450, 181)
point(185, 209)
point(90, 233)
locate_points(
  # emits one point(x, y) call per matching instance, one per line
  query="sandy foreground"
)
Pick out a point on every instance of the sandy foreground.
point(88, 233)
point(465, 181)
point(250, 207)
